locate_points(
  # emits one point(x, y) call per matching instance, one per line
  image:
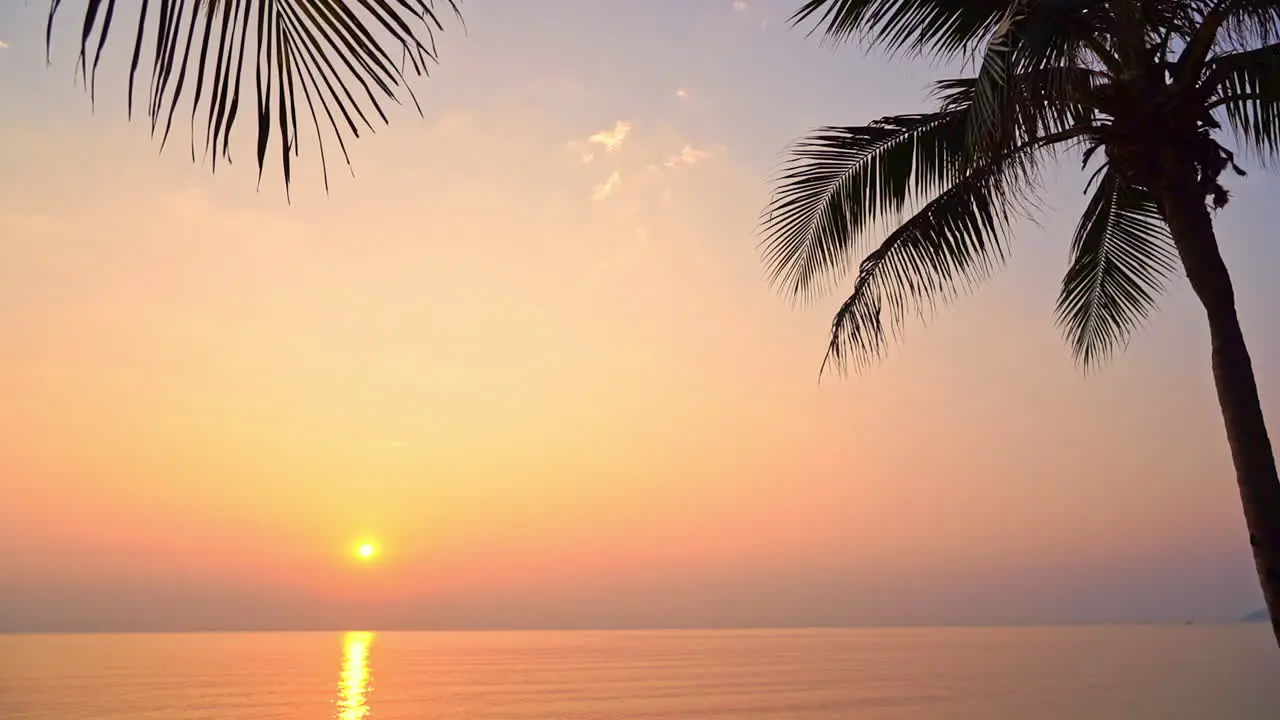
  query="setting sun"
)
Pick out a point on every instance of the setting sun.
point(367, 551)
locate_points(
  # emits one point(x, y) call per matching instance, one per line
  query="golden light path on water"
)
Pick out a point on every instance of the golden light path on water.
point(353, 683)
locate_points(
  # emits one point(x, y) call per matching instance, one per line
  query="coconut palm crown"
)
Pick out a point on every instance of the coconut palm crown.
point(1138, 91)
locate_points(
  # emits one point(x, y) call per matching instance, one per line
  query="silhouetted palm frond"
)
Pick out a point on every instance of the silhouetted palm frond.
point(951, 243)
point(1246, 87)
point(339, 63)
point(1121, 256)
point(840, 181)
point(1032, 69)
point(1033, 104)
point(944, 204)
point(944, 27)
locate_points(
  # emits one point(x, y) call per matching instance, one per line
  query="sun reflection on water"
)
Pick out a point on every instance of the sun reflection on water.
point(353, 683)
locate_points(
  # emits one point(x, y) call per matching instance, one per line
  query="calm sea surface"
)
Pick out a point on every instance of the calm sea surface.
point(1222, 673)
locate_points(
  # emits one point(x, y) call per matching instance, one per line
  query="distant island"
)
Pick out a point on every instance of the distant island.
point(1257, 616)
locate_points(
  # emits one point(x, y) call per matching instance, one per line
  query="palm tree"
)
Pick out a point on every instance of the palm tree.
point(339, 62)
point(1137, 89)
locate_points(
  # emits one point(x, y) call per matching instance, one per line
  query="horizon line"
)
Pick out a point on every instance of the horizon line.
point(636, 628)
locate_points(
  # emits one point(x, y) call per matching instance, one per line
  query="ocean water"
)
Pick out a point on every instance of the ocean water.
point(1097, 673)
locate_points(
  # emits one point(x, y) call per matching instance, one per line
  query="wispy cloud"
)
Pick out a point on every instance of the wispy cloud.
point(682, 93)
point(740, 5)
point(688, 155)
point(606, 188)
point(3, 44)
point(646, 163)
point(612, 139)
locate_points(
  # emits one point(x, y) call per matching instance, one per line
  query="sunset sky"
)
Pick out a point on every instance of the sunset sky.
point(546, 374)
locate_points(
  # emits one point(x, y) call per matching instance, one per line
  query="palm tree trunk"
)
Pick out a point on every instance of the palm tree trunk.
point(1184, 208)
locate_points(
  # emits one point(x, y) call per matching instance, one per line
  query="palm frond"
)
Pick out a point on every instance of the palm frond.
point(841, 180)
point(1180, 19)
point(1122, 254)
point(945, 27)
point(342, 62)
point(1039, 101)
point(1030, 80)
point(992, 86)
point(1249, 23)
point(1246, 87)
point(952, 243)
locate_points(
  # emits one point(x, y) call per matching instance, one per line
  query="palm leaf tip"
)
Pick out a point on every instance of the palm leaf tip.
point(342, 62)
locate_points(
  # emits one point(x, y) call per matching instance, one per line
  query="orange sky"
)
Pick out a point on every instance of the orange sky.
point(559, 391)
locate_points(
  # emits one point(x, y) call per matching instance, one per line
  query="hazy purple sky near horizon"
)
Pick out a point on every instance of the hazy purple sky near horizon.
point(559, 399)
